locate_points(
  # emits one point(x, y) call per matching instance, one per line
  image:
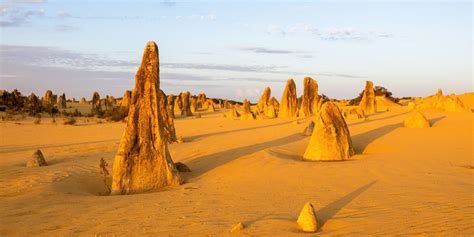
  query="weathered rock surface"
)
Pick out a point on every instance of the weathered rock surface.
point(168, 121)
point(288, 102)
point(331, 139)
point(143, 162)
point(186, 104)
point(307, 219)
point(416, 120)
point(62, 101)
point(96, 106)
point(36, 160)
point(367, 103)
point(309, 99)
point(246, 112)
point(264, 100)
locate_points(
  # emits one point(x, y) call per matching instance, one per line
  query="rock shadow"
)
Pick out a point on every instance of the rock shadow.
point(330, 210)
point(361, 141)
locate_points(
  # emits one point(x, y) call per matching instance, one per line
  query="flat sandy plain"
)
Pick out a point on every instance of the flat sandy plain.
point(401, 182)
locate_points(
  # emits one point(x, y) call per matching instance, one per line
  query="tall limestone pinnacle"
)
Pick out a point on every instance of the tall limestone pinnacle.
point(288, 102)
point(367, 103)
point(310, 98)
point(143, 162)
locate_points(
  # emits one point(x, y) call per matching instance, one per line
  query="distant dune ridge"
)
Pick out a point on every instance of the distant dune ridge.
point(143, 162)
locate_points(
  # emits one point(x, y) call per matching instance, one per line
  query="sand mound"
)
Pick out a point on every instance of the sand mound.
point(36, 160)
point(331, 139)
point(143, 162)
point(288, 105)
point(367, 103)
point(307, 219)
point(416, 120)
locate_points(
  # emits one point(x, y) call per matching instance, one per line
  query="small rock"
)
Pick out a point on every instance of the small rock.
point(36, 160)
point(181, 167)
point(238, 227)
point(180, 140)
point(307, 219)
point(416, 120)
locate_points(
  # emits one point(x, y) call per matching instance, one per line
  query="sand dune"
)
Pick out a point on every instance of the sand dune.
point(401, 180)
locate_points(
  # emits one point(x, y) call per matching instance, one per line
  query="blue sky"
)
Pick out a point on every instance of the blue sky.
point(235, 49)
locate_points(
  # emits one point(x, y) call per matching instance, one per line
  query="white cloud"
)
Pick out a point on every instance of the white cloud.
point(333, 34)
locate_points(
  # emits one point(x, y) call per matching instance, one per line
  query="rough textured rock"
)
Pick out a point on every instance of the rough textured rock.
point(264, 100)
point(170, 100)
point(233, 114)
point(125, 103)
point(178, 105)
point(309, 99)
point(331, 139)
point(181, 167)
point(308, 131)
point(201, 100)
point(211, 108)
point(274, 102)
point(416, 120)
point(355, 113)
point(48, 100)
point(143, 162)
point(451, 103)
point(307, 219)
point(270, 112)
point(367, 103)
point(109, 102)
point(169, 131)
point(96, 107)
point(62, 101)
point(288, 102)
point(83, 101)
point(246, 112)
point(186, 103)
point(36, 160)
point(193, 105)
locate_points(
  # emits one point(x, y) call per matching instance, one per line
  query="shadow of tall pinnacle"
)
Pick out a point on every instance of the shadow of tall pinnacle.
point(330, 210)
point(361, 141)
point(201, 165)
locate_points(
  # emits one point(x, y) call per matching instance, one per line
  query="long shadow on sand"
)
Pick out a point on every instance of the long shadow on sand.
point(383, 118)
point(328, 212)
point(201, 165)
point(435, 120)
point(8, 149)
point(361, 141)
point(236, 130)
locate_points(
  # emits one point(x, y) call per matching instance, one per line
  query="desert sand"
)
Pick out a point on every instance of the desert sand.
point(401, 181)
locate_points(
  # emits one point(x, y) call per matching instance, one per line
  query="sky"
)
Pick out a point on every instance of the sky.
point(234, 49)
